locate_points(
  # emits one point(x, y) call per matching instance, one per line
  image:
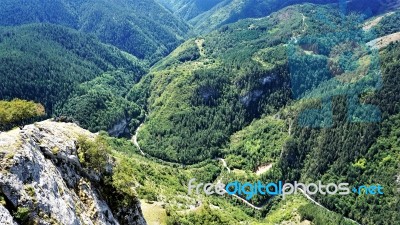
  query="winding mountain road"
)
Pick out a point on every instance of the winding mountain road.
point(134, 139)
point(225, 165)
point(237, 196)
point(319, 204)
point(260, 207)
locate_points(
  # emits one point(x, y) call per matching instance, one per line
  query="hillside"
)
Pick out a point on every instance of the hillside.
point(99, 180)
point(275, 93)
point(231, 11)
point(213, 86)
point(48, 63)
point(189, 9)
point(140, 27)
point(358, 152)
point(267, 91)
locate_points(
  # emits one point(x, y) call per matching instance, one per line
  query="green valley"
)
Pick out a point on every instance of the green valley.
point(242, 73)
point(109, 108)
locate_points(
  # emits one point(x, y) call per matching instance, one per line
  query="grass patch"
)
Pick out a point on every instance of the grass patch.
point(154, 213)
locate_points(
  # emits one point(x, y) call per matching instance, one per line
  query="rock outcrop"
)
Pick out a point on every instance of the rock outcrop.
point(121, 128)
point(43, 182)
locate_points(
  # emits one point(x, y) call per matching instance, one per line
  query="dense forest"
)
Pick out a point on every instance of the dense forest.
point(220, 90)
point(206, 16)
point(49, 64)
point(106, 93)
point(241, 73)
point(140, 27)
point(388, 25)
point(189, 9)
point(263, 76)
point(356, 152)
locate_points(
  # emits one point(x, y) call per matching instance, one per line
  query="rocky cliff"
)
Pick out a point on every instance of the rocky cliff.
point(43, 182)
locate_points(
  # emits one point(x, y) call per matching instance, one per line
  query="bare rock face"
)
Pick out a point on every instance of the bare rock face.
point(5, 217)
point(120, 128)
point(43, 182)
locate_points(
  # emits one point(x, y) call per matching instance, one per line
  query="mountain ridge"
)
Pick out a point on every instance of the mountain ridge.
point(140, 27)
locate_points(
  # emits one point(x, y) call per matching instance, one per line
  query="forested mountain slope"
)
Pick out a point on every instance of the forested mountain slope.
point(140, 27)
point(47, 63)
point(188, 9)
point(356, 152)
point(295, 90)
point(212, 86)
point(208, 19)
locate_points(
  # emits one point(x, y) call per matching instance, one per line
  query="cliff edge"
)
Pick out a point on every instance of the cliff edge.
point(43, 182)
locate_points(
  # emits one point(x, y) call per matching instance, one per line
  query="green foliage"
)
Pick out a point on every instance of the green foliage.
point(258, 144)
point(388, 25)
point(189, 54)
point(2, 200)
point(137, 176)
point(134, 176)
point(197, 105)
point(320, 216)
point(94, 154)
point(204, 217)
point(190, 130)
point(30, 190)
point(18, 112)
point(99, 104)
point(140, 27)
point(228, 73)
point(22, 214)
point(244, 72)
point(224, 95)
point(51, 61)
point(360, 163)
point(236, 10)
point(123, 178)
point(71, 74)
point(212, 211)
point(188, 9)
point(285, 210)
point(357, 153)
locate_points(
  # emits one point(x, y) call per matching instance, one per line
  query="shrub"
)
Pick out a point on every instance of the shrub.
point(93, 154)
